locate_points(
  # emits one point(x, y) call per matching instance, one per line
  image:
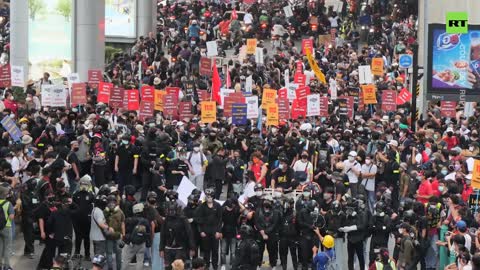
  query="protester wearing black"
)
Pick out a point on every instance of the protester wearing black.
point(209, 216)
point(247, 253)
point(266, 222)
point(126, 163)
point(43, 213)
point(129, 201)
point(29, 204)
point(216, 171)
point(288, 234)
point(83, 198)
point(230, 214)
point(307, 237)
point(380, 229)
point(150, 152)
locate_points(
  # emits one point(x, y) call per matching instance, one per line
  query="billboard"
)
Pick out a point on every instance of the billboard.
point(120, 18)
point(453, 64)
point(50, 42)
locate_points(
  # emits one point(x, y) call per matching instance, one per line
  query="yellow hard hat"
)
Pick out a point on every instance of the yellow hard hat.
point(328, 241)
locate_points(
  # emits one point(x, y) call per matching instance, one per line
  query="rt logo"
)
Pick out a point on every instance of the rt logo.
point(457, 23)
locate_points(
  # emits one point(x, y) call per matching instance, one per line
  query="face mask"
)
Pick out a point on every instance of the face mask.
point(12, 98)
point(351, 159)
point(281, 166)
point(457, 167)
point(342, 148)
point(83, 187)
point(277, 194)
point(441, 188)
point(400, 230)
point(327, 196)
point(435, 137)
point(258, 193)
point(306, 194)
point(75, 149)
point(152, 201)
point(397, 121)
point(471, 148)
point(368, 161)
point(444, 172)
point(124, 141)
point(209, 199)
point(401, 134)
point(274, 130)
point(304, 156)
point(111, 206)
point(196, 149)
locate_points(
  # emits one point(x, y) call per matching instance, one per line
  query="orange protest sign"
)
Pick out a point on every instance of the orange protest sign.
point(272, 115)
point(268, 97)
point(209, 111)
point(377, 66)
point(476, 174)
point(158, 99)
point(251, 45)
point(369, 94)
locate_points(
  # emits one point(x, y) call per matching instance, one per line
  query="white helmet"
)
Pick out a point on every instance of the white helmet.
point(194, 22)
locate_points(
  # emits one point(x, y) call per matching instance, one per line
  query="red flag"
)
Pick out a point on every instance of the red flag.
point(228, 82)
point(216, 85)
point(234, 15)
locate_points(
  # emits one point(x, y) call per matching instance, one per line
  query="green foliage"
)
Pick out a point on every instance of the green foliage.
point(19, 94)
point(35, 7)
point(64, 7)
point(110, 52)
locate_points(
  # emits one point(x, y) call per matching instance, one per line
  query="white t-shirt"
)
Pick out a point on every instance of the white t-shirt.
point(196, 162)
point(352, 177)
point(333, 21)
point(300, 166)
point(249, 191)
point(369, 183)
point(95, 232)
point(248, 18)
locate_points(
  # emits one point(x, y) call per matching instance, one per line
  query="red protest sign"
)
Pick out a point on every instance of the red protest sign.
point(146, 109)
point(299, 68)
point(172, 90)
point(403, 96)
point(5, 76)
point(299, 79)
point(205, 66)
point(94, 77)
point(448, 108)
point(302, 93)
point(78, 95)
point(148, 93)
point(282, 93)
point(202, 95)
point(324, 106)
point(170, 105)
point(229, 101)
point(104, 90)
point(185, 110)
point(298, 110)
point(307, 43)
point(133, 100)
point(349, 105)
point(116, 97)
point(389, 100)
point(283, 109)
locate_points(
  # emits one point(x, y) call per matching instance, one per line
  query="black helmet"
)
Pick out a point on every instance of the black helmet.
point(380, 207)
point(172, 209)
point(129, 190)
point(311, 205)
point(409, 216)
point(99, 260)
point(209, 192)
point(246, 231)
point(151, 195)
point(258, 186)
point(196, 192)
point(101, 201)
point(361, 197)
point(104, 190)
point(191, 199)
point(112, 198)
point(323, 137)
point(172, 195)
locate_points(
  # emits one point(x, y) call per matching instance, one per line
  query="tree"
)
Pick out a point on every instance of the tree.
point(35, 7)
point(64, 7)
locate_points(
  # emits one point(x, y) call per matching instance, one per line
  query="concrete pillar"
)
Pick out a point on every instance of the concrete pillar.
point(146, 17)
point(19, 34)
point(89, 37)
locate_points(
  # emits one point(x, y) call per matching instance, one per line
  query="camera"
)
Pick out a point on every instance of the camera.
point(121, 244)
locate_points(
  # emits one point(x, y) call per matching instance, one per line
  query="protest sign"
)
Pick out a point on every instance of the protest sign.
point(377, 66)
point(18, 76)
point(476, 174)
point(146, 109)
point(332, 84)
point(104, 90)
point(158, 99)
point(212, 49)
point(5, 76)
point(209, 111)
point(252, 107)
point(203, 95)
point(307, 44)
point(299, 79)
point(301, 94)
point(345, 106)
point(251, 45)
point(189, 89)
point(54, 95)
point(389, 100)
point(227, 109)
point(95, 77)
point(324, 106)
point(185, 110)
point(259, 56)
point(369, 94)
point(403, 96)
point(116, 97)
point(364, 74)
point(249, 84)
point(299, 67)
point(133, 100)
point(291, 88)
point(282, 93)
point(73, 78)
point(448, 108)
point(9, 125)
point(298, 110)
point(313, 105)
point(78, 95)
point(147, 93)
point(283, 109)
point(353, 92)
point(288, 11)
point(205, 66)
point(268, 97)
point(239, 114)
point(172, 91)
point(272, 115)
point(170, 106)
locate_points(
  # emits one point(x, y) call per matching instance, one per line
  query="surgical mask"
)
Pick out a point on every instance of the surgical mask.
point(327, 196)
point(441, 188)
point(124, 141)
point(457, 167)
point(401, 134)
point(274, 130)
point(351, 158)
point(471, 148)
point(196, 149)
point(306, 194)
point(397, 121)
point(400, 230)
point(277, 194)
point(258, 193)
point(444, 172)
point(111, 206)
point(280, 166)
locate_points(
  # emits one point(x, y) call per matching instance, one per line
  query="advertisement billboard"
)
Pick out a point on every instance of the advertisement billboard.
point(50, 42)
point(120, 18)
point(453, 64)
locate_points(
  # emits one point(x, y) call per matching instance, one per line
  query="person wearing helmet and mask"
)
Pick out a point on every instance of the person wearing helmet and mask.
point(29, 204)
point(83, 198)
point(248, 252)
point(230, 215)
point(352, 170)
point(99, 226)
point(42, 214)
point(257, 199)
point(154, 212)
point(266, 222)
point(326, 259)
point(288, 234)
point(209, 216)
point(306, 227)
point(116, 220)
point(126, 162)
point(128, 201)
point(137, 236)
point(380, 228)
point(190, 212)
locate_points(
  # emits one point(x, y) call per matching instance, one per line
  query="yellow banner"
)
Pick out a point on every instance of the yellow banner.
point(209, 111)
point(272, 115)
point(316, 69)
point(268, 97)
point(476, 174)
point(158, 99)
point(251, 45)
point(369, 94)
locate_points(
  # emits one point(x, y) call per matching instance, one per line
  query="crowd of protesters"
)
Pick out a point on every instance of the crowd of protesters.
point(335, 192)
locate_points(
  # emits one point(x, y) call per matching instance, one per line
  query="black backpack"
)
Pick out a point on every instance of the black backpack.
point(3, 217)
point(254, 252)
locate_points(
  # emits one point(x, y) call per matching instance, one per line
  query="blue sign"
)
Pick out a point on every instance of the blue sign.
point(239, 114)
point(12, 129)
point(405, 61)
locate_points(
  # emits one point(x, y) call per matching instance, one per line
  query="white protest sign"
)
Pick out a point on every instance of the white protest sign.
point(224, 92)
point(252, 106)
point(17, 76)
point(364, 74)
point(212, 49)
point(313, 105)
point(336, 5)
point(333, 88)
point(54, 95)
point(259, 56)
point(73, 78)
point(291, 91)
point(287, 77)
point(185, 189)
point(249, 84)
point(288, 11)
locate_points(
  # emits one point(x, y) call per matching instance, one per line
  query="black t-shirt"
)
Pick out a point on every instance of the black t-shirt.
point(44, 212)
point(340, 188)
point(73, 159)
point(283, 179)
point(175, 179)
point(125, 157)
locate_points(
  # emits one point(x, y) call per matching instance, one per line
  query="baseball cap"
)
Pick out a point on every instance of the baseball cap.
point(461, 225)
